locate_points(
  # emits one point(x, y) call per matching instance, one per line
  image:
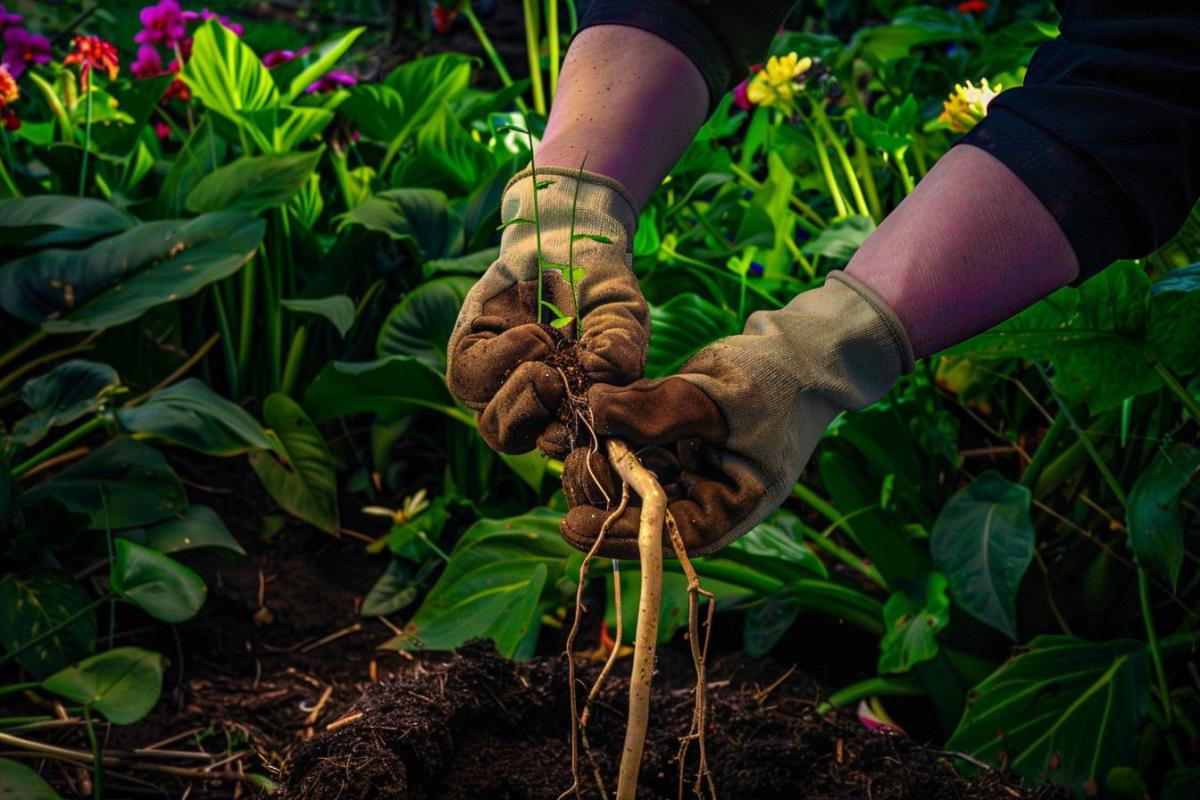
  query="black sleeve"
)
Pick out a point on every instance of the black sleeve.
point(721, 37)
point(1106, 129)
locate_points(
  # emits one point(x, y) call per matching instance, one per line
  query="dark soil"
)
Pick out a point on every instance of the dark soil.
point(478, 726)
point(565, 358)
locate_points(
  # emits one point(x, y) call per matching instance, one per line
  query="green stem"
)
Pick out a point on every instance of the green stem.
point(291, 371)
point(843, 158)
point(489, 50)
point(572, 19)
point(97, 756)
point(1042, 455)
point(537, 221)
point(231, 364)
point(20, 347)
point(845, 556)
point(878, 686)
point(17, 688)
point(905, 176)
point(554, 44)
point(1160, 673)
point(1178, 389)
point(805, 209)
point(1106, 473)
point(571, 249)
point(724, 274)
point(827, 170)
point(437, 550)
point(819, 504)
point(918, 149)
point(89, 608)
point(532, 40)
point(868, 176)
point(246, 326)
point(87, 137)
point(62, 444)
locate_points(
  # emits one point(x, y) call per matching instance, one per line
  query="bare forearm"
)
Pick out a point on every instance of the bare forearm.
point(968, 249)
point(628, 100)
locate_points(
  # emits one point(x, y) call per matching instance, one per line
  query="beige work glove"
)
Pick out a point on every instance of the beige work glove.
point(504, 359)
point(729, 435)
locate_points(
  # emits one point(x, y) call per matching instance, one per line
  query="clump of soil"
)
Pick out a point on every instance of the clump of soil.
point(476, 725)
point(573, 411)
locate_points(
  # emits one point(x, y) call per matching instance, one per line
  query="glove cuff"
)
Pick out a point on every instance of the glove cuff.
point(602, 208)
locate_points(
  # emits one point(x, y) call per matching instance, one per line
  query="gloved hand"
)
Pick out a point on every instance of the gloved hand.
point(498, 351)
point(729, 435)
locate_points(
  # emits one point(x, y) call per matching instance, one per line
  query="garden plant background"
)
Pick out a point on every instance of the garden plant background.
point(241, 235)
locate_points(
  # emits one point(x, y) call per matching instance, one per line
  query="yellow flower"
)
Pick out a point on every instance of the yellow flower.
point(9, 93)
point(778, 81)
point(967, 105)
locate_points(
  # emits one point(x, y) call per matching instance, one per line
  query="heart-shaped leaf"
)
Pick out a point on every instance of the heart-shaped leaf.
point(302, 477)
point(912, 618)
point(338, 309)
point(199, 526)
point(19, 782)
point(225, 75)
point(420, 217)
point(421, 323)
point(158, 584)
point(34, 602)
point(1154, 519)
point(61, 396)
point(123, 684)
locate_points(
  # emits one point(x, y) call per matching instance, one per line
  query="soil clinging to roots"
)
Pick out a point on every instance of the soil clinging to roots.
point(477, 726)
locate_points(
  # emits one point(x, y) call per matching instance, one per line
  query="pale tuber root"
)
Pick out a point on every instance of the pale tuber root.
point(654, 509)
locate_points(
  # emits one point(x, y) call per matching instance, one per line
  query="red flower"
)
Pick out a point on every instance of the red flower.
point(92, 52)
point(443, 18)
point(9, 93)
point(973, 7)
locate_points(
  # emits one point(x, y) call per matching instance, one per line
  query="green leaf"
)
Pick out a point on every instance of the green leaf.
point(120, 278)
point(225, 75)
point(303, 477)
point(254, 183)
point(338, 309)
point(124, 484)
point(50, 219)
point(983, 542)
point(515, 221)
point(471, 264)
point(842, 238)
point(448, 152)
point(374, 110)
point(295, 76)
point(135, 103)
point(396, 589)
point(425, 83)
point(561, 322)
point(421, 217)
point(61, 396)
point(683, 325)
point(1175, 307)
point(774, 548)
point(189, 414)
point(123, 684)
point(595, 237)
point(19, 782)
point(202, 153)
point(158, 584)
point(493, 586)
point(389, 388)
point(421, 323)
point(1061, 710)
point(912, 618)
point(198, 526)
point(35, 601)
point(1154, 519)
point(767, 622)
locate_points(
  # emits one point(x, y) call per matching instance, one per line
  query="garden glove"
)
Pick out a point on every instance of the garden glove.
point(729, 435)
point(497, 354)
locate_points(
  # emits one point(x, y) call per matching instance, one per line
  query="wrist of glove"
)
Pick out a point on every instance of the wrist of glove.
point(501, 354)
point(729, 435)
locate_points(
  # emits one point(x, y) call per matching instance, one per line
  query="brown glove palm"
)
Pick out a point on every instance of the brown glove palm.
point(729, 435)
point(498, 351)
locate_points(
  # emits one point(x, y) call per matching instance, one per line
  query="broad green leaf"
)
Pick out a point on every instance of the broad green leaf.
point(374, 110)
point(338, 309)
point(297, 75)
point(253, 183)
point(1154, 519)
point(19, 782)
point(405, 539)
point(51, 219)
point(202, 153)
point(424, 84)
point(983, 542)
point(841, 239)
point(303, 478)
point(189, 414)
point(912, 618)
point(34, 602)
point(683, 325)
point(471, 264)
point(61, 396)
point(421, 217)
point(120, 278)
point(1061, 710)
point(493, 586)
point(396, 589)
point(421, 323)
point(124, 484)
point(123, 684)
point(389, 388)
point(767, 622)
point(198, 526)
point(158, 584)
point(281, 130)
point(307, 205)
point(775, 548)
point(225, 75)
point(136, 103)
point(445, 154)
point(1175, 308)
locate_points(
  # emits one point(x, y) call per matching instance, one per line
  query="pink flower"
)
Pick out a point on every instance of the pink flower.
point(148, 64)
point(739, 96)
point(162, 23)
point(23, 49)
point(161, 129)
point(8, 18)
point(205, 15)
point(277, 57)
point(331, 82)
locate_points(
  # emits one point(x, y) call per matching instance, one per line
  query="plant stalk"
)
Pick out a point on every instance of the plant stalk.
point(87, 137)
point(62, 444)
point(554, 44)
point(532, 42)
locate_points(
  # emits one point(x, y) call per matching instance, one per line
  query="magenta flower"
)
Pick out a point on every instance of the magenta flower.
point(23, 49)
point(739, 96)
point(162, 24)
point(331, 82)
point(8, 18)
point(205, 15)
point(277, 57)
point(148, 64)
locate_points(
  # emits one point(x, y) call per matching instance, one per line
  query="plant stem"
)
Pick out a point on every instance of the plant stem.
point(537, 221)
point(1156, 659)
point(845, 556)
point(1178, 389)
point(843, 158)
point(20, 347)
point(231, 371)
point(246, 324)
point(532, 42)
point(62, 444)
point(89, 608)
point(489, 50)
point(1044, 450)
point(878, 686)
point(291, 370)
point(554, 44)
point(754, 184)
point(17, 688)
point(827, 171)
point(97, 760)
point(571, 248)
point(87, 137)
point(868, 176)
point(905, 176)
point(1106, 473)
